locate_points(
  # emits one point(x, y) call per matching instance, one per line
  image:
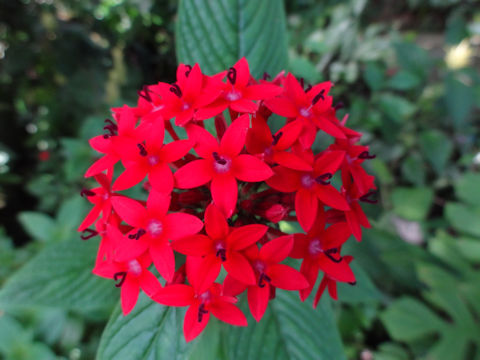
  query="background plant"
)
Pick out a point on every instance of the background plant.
point(62, 68)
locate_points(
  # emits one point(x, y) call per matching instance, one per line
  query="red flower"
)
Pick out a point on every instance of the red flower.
point(131, 273)
point(237, 94)
point(330, 283)
point(311, 186)
point(221, 246)
point(201, 304)
point(320, 250)
point(273, 149)
point(308, 107)
point(153, 228)
point(150, 158)
point(192, 91)
point(269, 273)
point(100, 197)
point(222, 164)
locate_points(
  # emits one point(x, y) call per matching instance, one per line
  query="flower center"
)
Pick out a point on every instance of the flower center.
point(134, 267)
point(233, 95)
point(305, 112)
point(153, 160)
point(315, 247)
point(222, 164)
point(155, 227)
point(185, 106)
point(307, 181)
point(220, 250)
point(259, 266)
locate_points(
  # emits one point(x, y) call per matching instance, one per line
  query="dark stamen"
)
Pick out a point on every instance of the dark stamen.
point(367, 197)
point(137, 235)
point(318, 97)
point(309, 87)
point(143, 151)
point(189, 69)
point(86, 193)
point(339, 105)
point(302, 82)
point(219, 159)
point(176, 90)
point(122, 275)
point(266, 76)
point(366, 155)
point(352, 283)
point(222, 254)
point(276, 138)
point(324, 179)
point(332, 251)
point(230, 222)
point(88, 234)
point(201, 311)
point(145, 93)
point(328, 254)
point(262, 278)
point(232, 75)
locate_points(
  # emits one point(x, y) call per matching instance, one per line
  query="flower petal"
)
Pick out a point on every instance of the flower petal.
point(277, 250)
point(215, 223)
point(244, 236)
point(175, 295)
point(179, 225)
point(262, 91)
point(193, 174)
point(204, 142)
point(310, 271)
point(161, 178)
point(129, 294)
point(306, 207)
point(286, 277)
point(195, 245)
point(328, 162)
point(339, 271)
point(244, 106)
point(234, 138)
point(225, 193)
point(129, 210)
point(191, 326)
point(331, 197)
point(227, 312)
point(284, 179)
point(157, 204)
point(206, 273)
point(291, 161)
point(282, 106)
point(149, 283)
point(251, 169)
point(258, 298)
point(130, 177)
point(238, 266)
point(335, 235)
point(175, 150)
point(163, 259)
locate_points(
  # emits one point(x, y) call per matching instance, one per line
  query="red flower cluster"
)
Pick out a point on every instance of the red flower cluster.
point(216, 201)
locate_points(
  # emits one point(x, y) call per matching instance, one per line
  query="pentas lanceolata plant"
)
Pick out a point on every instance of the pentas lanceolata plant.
point(215, 201)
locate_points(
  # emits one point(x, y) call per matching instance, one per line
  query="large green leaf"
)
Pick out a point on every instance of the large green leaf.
point(60, 276)
point(289, 330)
point(217, 33)
point(412, 203)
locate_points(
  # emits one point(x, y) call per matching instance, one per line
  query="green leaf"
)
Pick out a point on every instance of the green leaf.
point(437, 148)
point(463, 218)
point(413, 58)
point(37, 225)
point(374, 76)
point(219, 32)
point(459, 98)
point(289, 329)
point(408, 319)
point(413, 169)
point(404, 80)
point(303, 68)
point(396, 108)
point(150, 331)
point(467, 188)
point(60, 276)
point(412, 203)
point(364, 290)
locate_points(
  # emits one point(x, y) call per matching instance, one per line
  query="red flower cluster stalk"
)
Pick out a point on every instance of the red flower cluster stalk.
point(214, 202)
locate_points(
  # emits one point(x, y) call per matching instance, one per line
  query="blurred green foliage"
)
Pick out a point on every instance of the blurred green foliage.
point(408, 76)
